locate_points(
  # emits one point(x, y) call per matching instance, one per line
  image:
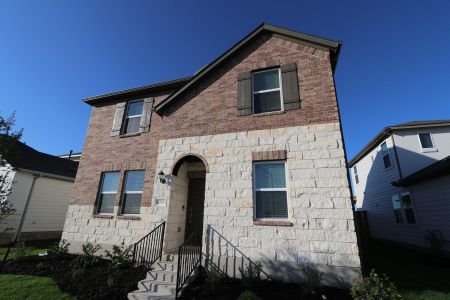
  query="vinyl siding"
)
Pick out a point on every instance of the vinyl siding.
point(48, 205)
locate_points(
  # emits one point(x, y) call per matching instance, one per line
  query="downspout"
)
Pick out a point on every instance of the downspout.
point(25, 210)
point(396, 157)
point(22, 220)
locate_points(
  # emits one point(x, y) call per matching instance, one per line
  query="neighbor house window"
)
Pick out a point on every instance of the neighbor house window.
point(132, 193)
point(403, 208)
point(426, 142)
point(270, 193)
point(386, 156)
point(107, 194)
point(133, 117)
point(266, 91)
point(355, 172)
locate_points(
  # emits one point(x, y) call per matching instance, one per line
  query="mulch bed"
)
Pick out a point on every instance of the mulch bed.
point(99, 281)
point(226, 288)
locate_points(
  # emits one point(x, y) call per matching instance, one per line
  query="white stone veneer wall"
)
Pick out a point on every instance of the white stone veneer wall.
point(318, 198)
point(318, 193)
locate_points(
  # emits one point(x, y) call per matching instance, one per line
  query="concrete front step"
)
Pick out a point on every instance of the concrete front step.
point(160, 281)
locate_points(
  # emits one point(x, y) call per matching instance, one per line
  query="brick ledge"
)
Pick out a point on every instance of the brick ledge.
point(129, 217)
point(272, 223)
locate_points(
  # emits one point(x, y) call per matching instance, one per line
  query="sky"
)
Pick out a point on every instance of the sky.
point(394, 65)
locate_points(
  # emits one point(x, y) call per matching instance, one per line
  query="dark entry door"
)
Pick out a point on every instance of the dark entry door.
point(195, 206)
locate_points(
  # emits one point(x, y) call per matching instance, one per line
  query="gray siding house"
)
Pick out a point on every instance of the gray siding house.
point(401, 179)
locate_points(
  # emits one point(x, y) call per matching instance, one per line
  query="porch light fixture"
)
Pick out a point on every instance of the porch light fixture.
point(162, 177)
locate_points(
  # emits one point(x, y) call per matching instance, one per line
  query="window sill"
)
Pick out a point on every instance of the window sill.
point(269, 113)
point(129, 135)
point(426, 150)
point(136, 218)
point(103, 216)
point(272, 223)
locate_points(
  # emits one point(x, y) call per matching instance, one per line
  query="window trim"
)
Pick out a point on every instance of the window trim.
point(383, 154)
point(99, 194)
point(280, 89)
point(125, 117)
point(124, 192)
point(402, 209)
point(424, 150)
point(254, 189)
point(355, 174)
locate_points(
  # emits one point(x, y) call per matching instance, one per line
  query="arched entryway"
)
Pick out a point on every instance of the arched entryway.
point(187, 197)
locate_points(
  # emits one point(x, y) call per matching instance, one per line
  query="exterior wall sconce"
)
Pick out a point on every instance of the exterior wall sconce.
point(162, 177)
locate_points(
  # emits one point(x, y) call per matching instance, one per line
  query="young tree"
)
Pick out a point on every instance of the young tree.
point(8, 140)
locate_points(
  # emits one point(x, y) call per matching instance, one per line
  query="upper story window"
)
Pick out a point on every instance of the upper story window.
point(355, 172)
point(403, 208)
point(133, 115)
point(269, 190)
point(267, 91)
point(107, 194)
point(426, 141)
point(386, 157)
point(132, 193)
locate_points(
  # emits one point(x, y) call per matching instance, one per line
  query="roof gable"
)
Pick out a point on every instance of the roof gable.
point(310, 40)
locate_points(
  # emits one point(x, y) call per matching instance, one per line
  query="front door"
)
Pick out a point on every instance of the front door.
point(195, 206)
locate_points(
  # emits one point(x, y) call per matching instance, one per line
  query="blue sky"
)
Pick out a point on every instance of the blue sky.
point(394, 66)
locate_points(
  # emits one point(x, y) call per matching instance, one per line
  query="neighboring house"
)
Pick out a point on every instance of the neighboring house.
point(401, 178)
point(74, 156)
point(249, 151)
point(45, 182)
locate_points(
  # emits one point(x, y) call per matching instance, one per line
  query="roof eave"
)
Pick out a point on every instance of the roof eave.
point(382, 135)
point(166, 85)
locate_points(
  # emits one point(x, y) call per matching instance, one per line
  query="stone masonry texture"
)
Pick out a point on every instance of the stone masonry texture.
point(205, 122)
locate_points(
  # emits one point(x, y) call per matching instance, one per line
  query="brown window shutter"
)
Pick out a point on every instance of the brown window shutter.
point(146, 114)
point(289, 79)
point(118, 118)
point(244, 98)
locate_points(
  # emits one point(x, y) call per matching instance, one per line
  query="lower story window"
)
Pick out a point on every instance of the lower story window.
point(107, 194)
point(132, 193)
point(403, 208)
point(270, 193)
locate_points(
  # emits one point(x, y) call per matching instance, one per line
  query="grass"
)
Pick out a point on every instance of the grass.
point(30, 287)
point(31, 248)
point(415, 276)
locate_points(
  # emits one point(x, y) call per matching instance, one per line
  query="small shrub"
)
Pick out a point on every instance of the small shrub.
point(251, 273)
point(59, 249)
point(247, 295)
point(375, 287)
point(120, 256)
point(313, 278)
point(88, 258)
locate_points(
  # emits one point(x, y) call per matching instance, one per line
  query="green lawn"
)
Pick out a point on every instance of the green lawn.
point(31, 248)
point(414, 276)
point(30, 287)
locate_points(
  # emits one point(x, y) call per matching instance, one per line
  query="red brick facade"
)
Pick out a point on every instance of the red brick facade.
point(209, 108)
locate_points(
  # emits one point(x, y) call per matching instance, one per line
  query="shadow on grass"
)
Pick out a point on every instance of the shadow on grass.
point(415, 273)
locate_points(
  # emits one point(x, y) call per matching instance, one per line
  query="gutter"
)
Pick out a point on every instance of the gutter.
point(48, 175)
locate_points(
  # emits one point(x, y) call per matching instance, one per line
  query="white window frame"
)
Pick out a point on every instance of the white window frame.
point(383, 154)
point(100, 193)
point(132, 116)
point(402, 209)
point(286, 189)
point(355, 174)
point(124, 192)
point(280, 89)
point(424, 150)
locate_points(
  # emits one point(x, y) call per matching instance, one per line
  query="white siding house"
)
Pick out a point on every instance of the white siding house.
point(407, 194)
point(45, 183)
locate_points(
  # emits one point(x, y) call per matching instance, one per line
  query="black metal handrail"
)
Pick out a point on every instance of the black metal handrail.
point(189, 257)
point(149, 249)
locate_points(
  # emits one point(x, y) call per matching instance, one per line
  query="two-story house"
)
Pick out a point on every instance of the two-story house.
point(402, 180)
point(248, 152)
